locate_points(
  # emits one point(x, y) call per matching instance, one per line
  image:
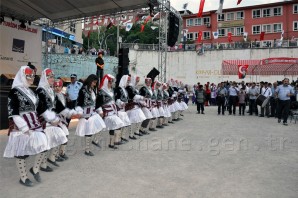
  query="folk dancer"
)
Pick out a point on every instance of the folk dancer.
point(64, 114)
point(26, 136)
point(121, 97)
point(50, 120)
point(146, 92)
point(90, 122)
point(106, 104)
point(134, 112)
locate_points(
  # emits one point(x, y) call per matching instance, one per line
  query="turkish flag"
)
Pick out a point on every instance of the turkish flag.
point(239, 1)
point(230, 36)
point(89, 32)
point(262, 35)
point(200, 37)
point(242, 71)
point(200, 13)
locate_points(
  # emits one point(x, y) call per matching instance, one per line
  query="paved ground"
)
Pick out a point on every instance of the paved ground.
point(200, 156)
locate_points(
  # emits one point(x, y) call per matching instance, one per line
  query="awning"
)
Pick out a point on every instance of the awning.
point(269, 66)
point(61, 10)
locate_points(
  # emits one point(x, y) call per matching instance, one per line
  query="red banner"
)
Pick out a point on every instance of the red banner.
point(230, 36)
point(200, 13)
point(142, 27)
point(239, 1)
point(262, 36)
point(200, 36)
point(242, 71)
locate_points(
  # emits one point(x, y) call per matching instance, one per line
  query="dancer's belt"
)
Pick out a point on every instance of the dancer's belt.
point(130, 106)
point(109, 108)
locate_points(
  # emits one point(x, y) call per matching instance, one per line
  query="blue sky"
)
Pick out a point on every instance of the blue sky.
point(193, 5)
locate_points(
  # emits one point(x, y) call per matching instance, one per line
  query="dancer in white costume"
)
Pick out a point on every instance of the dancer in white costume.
point(50, 120)
point(173, 104)
point(166, 97)
point(134, 112)
point(159, 99)
point(147, 93)
point(64, 113)
point(90, 122)
point(26, 136)
point(106, 104)
point(121, 97)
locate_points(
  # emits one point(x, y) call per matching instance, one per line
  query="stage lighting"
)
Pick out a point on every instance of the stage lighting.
point(22, 25)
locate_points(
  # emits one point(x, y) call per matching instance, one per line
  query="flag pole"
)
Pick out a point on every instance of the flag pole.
point(117, 40)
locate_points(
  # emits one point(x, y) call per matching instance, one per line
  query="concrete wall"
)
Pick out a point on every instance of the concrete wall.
point(190, 67)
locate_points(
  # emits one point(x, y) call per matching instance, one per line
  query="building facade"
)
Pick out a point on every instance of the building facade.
point(272, 19)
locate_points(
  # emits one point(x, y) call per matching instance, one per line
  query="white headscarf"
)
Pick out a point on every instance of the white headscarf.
point(123, 84)
point(105, 82)
point(20, 78)
point(43, 83)
point(22, 84)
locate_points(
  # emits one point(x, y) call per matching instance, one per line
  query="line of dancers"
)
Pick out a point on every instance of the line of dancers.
point(38, 121)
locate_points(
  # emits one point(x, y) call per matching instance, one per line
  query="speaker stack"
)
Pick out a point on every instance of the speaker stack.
point(123, 63)
point(173, 32)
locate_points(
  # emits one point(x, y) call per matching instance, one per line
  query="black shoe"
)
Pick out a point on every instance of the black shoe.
point(113, 147)
point(152, 129)
point(118, 143)
point(96, 144)
point(144, 132)
point(53, 163)
point(138, 134)
point(59, 159)
point(279, 120)
point(123, 139)
point(284, 123)
point(203, 113)
point(171, 122)
point(132, 137)
point(27, 183)
point(35, 175)
point(261, 116)
point(89, 153)
point(181, 115)
point(64, 156)
point(47, 169)
point(160, 127)
point(175, 120)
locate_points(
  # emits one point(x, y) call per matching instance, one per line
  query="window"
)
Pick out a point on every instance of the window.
point(198, 21)
point(87, 28)
point(221, 32)
point(239, 31)
point(206, 35)
point(277, 27)
point(277, 11)
point(295, 9)
point(232, 30)
point(295, 26)
point(256, 14)
point(189, 22)
point(130, 17)
point(220, 17)
point(256, 29)
point(206, 20)
point(196, 35)
point(240, 15)
point(72, 27)
point(189, 36)
point(230, 16)
point(266, 12)
point(267, 28)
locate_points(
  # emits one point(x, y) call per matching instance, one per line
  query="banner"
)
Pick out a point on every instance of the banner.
point(239, 1)
point(219, 11)
point(242, 71)
point(230, 36)
point(262, 35)
point(280, 61)
point(200, 36)
point(200, 12)
point(282, 35)
point(128, 26)
point(142, 28)
point(215, 35)
point(245, 36)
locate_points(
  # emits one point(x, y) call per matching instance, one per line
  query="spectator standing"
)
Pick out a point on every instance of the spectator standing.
point(200, 95)
point(253, 93)
point(242, 95)
point(221, 98)
point(72, 91)
point(99, 65)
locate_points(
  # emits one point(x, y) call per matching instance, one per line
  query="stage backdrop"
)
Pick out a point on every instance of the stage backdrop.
point(19, 46)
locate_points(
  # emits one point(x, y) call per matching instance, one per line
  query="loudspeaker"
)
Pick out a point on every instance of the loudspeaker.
point(7, 79)
point(122, 64)
point(173, 32)
point(153, 73)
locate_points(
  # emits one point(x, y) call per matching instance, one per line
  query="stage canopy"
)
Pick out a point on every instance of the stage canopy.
point(269, 66)
point(61, 10)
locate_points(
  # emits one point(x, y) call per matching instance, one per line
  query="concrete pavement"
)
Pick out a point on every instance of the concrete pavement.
point(200, 156)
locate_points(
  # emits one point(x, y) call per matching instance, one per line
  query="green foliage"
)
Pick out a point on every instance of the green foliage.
point(148, 36)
